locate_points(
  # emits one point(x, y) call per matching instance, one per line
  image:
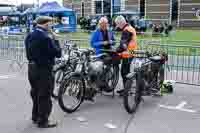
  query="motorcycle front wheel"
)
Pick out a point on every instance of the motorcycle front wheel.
point(71, 93)
point(133, 93)
point(58, 76)
point(113, 77)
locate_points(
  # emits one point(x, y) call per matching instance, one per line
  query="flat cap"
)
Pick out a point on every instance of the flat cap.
point(43, 19)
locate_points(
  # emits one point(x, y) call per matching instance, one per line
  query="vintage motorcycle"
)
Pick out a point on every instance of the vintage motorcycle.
point(146, 80)
point(93, 75)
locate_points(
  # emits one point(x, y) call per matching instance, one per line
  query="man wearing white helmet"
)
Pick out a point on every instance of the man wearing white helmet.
point(128, 43)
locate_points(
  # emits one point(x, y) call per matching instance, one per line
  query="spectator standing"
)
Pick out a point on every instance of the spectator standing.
point(41, 51)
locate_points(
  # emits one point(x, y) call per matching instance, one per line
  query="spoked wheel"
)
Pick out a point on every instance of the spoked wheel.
point(113, 77)
point(133, 94)
point(71, 93)
point(57, 81)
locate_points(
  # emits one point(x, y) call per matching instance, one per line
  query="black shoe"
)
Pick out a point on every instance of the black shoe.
point(35, 121)
point(54, 96)
point(89, 99)
point(47, 125)
point(121, 92)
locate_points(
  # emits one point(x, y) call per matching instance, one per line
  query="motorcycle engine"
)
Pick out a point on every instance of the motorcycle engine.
point(95, 71)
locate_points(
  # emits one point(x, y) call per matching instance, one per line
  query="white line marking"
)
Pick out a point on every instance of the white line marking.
point(179, 107)
point(7, 76)
point(81, 119)
point(188, 110)
point(168, 107)
point(110, 126)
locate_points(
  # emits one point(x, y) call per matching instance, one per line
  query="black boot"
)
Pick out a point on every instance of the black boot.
point(47, 124)
point(120, 92)
point(34, 120)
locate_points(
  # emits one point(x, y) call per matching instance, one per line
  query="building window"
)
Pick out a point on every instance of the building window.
point(116, 5)
point(174, 9)
point(106, 7)
point(98, 7)
point(142, 8)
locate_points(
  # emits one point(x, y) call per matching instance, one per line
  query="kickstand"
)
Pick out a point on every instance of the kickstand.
point(142, 99)
point(113, 94)
point(101, 92)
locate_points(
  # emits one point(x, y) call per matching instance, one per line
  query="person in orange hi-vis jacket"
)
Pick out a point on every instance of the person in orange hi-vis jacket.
point(128, 44)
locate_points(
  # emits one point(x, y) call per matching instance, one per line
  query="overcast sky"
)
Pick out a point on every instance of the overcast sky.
point(18, 2)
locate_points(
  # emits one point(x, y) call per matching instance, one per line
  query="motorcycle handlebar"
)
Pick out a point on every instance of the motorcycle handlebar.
point(108, 50)
point(139, 52)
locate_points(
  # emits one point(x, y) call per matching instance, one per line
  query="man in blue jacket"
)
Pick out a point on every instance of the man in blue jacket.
point(102, 38)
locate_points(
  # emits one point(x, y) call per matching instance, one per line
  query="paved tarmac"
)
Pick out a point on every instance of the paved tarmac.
point(176, 113)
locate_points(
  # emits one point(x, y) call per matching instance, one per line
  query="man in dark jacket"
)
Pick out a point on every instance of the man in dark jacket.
point(41, 51)
point(128, 43)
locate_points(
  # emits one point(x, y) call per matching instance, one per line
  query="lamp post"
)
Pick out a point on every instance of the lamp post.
point(72, 5)
point(82, 8)
point(38, 4)
point(111, 8)
point(102, 7)
point(21, 7)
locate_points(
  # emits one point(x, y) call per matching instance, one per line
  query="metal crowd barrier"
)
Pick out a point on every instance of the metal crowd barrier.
point(184, 58)
point(12, 50)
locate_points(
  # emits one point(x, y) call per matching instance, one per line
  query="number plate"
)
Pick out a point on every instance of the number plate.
point(138, 62)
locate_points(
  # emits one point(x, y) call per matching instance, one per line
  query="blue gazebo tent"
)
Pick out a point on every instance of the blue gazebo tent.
point(68, 16)
point(54, 7)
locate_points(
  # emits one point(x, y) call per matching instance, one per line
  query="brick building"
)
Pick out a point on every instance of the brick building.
point(81, 8)
point(187, 13)
point(181, 13)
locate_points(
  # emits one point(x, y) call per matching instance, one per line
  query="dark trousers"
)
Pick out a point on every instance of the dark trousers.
point(41, 81)
point(125, 69)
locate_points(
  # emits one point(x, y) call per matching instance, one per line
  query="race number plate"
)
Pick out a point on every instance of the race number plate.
point(138, 63)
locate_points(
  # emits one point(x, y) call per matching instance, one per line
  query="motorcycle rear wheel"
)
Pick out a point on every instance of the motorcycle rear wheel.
point(133, 90)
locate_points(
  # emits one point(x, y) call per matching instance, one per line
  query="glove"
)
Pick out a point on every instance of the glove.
point(111, 42)
point(124, 46)
point(105, 43)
